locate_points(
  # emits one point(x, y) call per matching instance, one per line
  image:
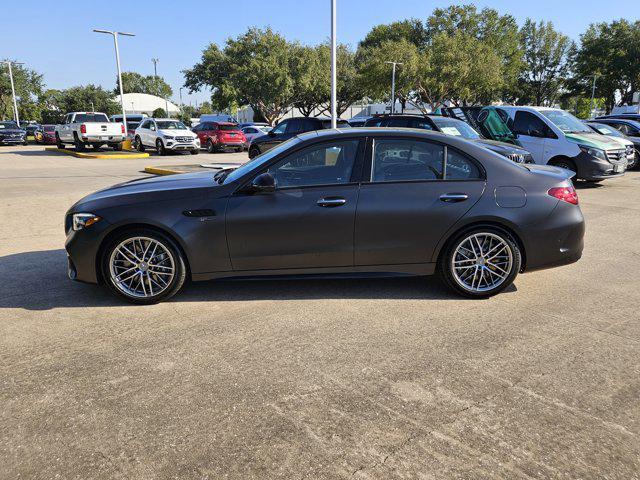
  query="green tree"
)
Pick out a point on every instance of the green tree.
point(77, 99)
point(609, 51)
point(349, 88)
point(205, 107)
point(133, 82)
point(546, 56)
point(499, 33)
point(375, 72)
point(253, 69)
point(412, 31)
point(28, 86)
point(309, 70)
point(159, 113)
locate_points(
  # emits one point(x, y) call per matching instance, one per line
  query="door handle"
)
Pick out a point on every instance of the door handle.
point(453, 197)
point(331, 202)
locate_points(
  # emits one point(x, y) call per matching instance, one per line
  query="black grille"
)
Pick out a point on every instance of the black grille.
point(184, 139)
point(616, 155)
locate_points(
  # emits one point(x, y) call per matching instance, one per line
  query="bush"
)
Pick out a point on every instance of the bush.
point(159, 113)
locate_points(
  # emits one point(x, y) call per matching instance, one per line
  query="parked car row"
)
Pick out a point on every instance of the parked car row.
point(12, 134)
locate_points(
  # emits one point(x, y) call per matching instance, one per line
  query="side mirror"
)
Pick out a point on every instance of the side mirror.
point(264, 183)
point(271, 133)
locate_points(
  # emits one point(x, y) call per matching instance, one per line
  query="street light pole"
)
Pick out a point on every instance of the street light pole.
point(393, 85)
point(334, 79)
point(155, 75)
point(13, 90)
point(593, 94)
point(115, 43)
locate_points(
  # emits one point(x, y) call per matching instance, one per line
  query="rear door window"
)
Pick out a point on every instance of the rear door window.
point(397, 160)
point(526, 123)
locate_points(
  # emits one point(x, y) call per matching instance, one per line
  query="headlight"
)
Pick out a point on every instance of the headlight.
point(84, 220)
point(594, 152)
point(629, 150)
point(169, 137)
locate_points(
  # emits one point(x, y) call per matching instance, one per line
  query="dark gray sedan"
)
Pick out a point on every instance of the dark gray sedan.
point(359, 201)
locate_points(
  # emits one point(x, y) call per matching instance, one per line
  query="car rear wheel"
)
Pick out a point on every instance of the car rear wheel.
point(143, 266)
point(210, 147)
point(253, 152)
point(138, 144)
point(160, 150)
point(79, 144)
point(116, 146)
point(481, 262)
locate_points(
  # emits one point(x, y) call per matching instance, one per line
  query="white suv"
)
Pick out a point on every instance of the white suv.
point(165, 134)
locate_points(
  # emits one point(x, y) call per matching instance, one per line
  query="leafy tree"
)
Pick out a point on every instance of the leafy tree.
point(412, 31)
point(310, 71)
point(499, 33)
point(77, 99)
point(28, 85)
point(376, 72)
point(546, 55)
point(609, 51)
point(159, 113)
point(253, 69)
point(133, 82)
point(349, 88)
point(205, 107)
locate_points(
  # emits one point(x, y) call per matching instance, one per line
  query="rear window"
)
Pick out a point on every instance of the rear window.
point(340, 124)
point(91, 118)
point(49, 128)
point(228, 127)
point(8, 125)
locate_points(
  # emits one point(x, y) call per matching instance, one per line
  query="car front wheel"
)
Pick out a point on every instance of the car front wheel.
point(481, 262)
point(143, 266)
point(253, 152)
point(138, 144)
point(160, 150)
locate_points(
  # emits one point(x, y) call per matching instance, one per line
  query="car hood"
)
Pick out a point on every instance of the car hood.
point(10, 131)
point(153, 189)
point(501, 147)
point(594, 140)
point(177, 133)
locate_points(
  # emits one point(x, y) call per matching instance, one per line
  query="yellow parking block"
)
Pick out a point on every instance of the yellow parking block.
point(162, 171)
point(102, 155)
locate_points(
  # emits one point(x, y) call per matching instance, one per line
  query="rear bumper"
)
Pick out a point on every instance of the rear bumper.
point(556, 241)
point(103, 139)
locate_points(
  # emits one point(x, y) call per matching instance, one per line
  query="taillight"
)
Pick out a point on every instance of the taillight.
point(122, 126)
point(566, 194)
point(83, 128)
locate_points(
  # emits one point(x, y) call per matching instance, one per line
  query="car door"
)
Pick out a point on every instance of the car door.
point(531, 131)
point(65, 130)
point(307, 222)
point(411, 198)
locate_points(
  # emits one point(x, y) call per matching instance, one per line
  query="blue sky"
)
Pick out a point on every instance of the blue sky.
point(55, 37)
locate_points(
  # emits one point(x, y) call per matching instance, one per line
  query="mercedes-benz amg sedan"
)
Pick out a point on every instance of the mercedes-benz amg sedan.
point(353, 201)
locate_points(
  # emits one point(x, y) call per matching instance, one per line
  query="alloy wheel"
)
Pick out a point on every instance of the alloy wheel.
point(481, 262)
point(141, 267)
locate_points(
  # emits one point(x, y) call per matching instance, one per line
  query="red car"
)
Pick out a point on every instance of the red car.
point(46, 134)
point(217, 136)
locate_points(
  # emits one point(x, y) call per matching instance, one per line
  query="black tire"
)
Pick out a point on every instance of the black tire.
point(636, 161)
point(59, 143)
point(253, 152)
point(174, 286)
point(95, 147)
point(80, 146)
point(445, 263)
point(194, 152)
point(26, 142)
point(565, 163)
point(116, 146)
point(239, 149)
point(210, 147)
point(160, 150)
point(138, 144)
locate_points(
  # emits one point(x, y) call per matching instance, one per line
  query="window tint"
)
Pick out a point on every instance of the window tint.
point(325, 164)
point(526, 123)
point(91, 118)
point(459, 167)
point(374, 122)
point(398, 160)
point(397, 122)
point(295, 126)
point(281, 127)
point(421, 123)
point(249, 130)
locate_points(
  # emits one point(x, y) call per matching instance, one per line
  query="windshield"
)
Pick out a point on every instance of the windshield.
point(606, 130)
point(565, 121)
point(457, 128)
point(171, 125)
point(91, 118)
point(8, 125)
point(49, 128)
point(228, 127)
point(260, 160)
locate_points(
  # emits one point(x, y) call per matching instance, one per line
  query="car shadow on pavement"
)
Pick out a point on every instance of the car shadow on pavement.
point(39, 282)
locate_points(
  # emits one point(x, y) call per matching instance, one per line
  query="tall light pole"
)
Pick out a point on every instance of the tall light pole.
point(393, 85)
point(334, 78)
point(13, 89)
point(155, 75)
point(115, 42)
point(593, 94)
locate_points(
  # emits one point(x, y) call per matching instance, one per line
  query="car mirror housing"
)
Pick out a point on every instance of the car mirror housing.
point(271, 133)
point(264, 183)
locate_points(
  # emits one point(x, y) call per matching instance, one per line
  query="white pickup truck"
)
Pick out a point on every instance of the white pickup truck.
point(89, 128)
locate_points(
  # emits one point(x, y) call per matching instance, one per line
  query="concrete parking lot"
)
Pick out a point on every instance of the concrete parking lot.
point(370, 379)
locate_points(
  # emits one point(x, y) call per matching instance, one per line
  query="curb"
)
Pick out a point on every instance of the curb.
point(162, 171)
point(103, 155)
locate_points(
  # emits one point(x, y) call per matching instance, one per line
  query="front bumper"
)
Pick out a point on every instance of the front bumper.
point(178, 146)
point(82, 251)
point(592, 169)
point(12, 140)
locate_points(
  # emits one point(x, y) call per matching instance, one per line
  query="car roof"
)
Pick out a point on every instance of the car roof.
point(369, 131)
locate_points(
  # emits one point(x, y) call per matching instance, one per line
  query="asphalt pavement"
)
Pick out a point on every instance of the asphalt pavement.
point(369, 379)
